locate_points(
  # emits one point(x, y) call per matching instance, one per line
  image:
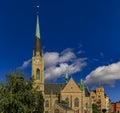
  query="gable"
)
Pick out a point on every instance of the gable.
point(71, 86)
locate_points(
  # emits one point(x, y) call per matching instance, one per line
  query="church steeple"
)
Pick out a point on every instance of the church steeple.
point(37, 48)
point(38, 60)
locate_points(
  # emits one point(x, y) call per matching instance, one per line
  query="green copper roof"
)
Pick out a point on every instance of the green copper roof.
point(81, 84)
point(66, 76)
point(37, 28)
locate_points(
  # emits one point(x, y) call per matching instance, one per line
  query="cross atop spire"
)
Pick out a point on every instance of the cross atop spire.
point(37, 25)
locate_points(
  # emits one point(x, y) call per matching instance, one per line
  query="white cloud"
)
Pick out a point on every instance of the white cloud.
point(53, 58)
point(25, 64)
point(104, 75)
point(57, 63)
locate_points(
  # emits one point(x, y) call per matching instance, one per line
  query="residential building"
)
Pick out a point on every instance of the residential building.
point(115, 107)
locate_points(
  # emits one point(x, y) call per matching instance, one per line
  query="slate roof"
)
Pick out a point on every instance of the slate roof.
point(53, 88)
point(87, 93)
point(56, 88)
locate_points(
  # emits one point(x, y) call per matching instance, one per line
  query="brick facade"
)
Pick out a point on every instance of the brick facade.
point(115, 107)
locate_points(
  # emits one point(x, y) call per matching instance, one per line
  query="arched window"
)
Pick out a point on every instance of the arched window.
point(76, 102)
point(37, 74)
point(46, 103)
point(56, 111)
point(67, 101)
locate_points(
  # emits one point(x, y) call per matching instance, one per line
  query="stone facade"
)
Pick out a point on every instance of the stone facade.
point(98, 97)
point(38, 71)
point(76, 100)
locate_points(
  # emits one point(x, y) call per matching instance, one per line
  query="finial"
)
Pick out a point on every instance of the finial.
point(38, 6)
point(38, 9)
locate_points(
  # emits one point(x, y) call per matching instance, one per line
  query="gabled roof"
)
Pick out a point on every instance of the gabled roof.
point(71, 86)
point(53, 88)
point(87, 93)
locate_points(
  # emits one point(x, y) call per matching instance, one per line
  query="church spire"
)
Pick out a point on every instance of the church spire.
point(37, 26)
point(37, 49)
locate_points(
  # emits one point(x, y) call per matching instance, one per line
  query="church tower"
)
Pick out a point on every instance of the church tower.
point(38, 61)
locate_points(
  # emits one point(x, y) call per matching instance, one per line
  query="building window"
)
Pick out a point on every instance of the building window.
point(37, 74)
point(46, 103)
point(99, 96)
point(76, 102)
point(56, 111)
point(67, 101)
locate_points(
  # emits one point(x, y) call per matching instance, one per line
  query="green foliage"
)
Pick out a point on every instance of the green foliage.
point(18, 96)
point(96, 108)
point(63, 102)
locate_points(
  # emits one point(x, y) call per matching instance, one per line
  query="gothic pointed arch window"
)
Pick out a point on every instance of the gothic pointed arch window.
point(47, 103)
point(57, 111)
point(76, 102)
point(67, 101)
point(38, 74)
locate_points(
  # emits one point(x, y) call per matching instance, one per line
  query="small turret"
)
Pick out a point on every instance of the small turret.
point(66, 76)
point(81, 85)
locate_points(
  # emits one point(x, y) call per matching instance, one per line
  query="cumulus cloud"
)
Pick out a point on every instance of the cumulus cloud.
point(53, 58)
point(25, 64)
point(104, 75)
point(57, 63)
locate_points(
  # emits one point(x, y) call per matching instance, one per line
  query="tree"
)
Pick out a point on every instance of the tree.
point(96, 108)
point(18, 96)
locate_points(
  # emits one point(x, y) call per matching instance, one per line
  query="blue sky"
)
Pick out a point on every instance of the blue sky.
point(87, 30)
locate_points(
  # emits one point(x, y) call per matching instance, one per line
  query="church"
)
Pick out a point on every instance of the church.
point(68, 97)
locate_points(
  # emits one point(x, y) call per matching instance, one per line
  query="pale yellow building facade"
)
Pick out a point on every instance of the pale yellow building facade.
point(99, 97)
